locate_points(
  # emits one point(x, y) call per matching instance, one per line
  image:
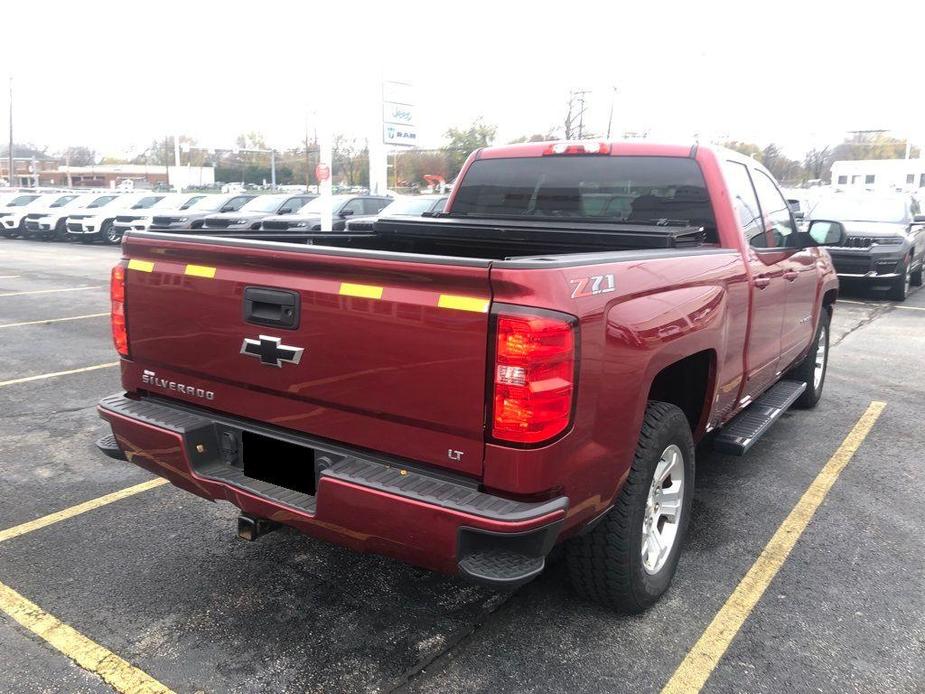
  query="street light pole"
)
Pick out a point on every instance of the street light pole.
point(273, 169)
point(9, 180)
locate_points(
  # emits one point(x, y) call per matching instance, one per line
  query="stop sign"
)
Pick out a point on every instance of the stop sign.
point(322, 172)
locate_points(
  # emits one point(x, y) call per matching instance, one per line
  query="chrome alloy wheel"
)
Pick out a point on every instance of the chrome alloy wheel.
point(819, 369)
point(663, 510)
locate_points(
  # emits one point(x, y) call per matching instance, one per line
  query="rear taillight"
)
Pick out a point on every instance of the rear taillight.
point(534, 376)
point(117, 297)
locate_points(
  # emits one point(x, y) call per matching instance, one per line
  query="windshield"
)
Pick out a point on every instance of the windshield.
point(409, 206)
point(263, 203)
point(315, 206)
point(635, 190)
point(192, 201)
point(63, 200)
point(861, 209)
point(147, 202)
point(22, 200)
point(99, 202)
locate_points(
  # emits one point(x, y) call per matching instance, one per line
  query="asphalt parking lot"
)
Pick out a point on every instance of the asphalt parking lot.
point(159, 579)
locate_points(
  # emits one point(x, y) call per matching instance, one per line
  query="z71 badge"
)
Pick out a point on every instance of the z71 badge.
point(591, 286)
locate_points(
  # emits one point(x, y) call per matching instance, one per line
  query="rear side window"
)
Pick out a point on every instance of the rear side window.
point(354, 207)
point(745, 202)
point(374, 205)
point(636, 190)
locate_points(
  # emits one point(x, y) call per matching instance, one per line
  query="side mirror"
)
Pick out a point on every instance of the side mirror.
point(346, 213)
point(824, 232)
point(227, 208)
point(285, 210)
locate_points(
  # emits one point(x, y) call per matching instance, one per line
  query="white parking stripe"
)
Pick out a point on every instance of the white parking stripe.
point(51, 291)
point(40, 377)
point(8, 277)
point(865, 303)
point(51, 320)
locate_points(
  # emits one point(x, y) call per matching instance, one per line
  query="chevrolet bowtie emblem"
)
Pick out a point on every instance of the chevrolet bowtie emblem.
point(270, 351)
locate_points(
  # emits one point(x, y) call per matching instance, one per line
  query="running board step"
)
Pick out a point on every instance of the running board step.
point(750, 425)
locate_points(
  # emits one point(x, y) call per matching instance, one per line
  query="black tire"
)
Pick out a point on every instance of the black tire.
point(899, 287)
point(605, 564)
point(915, 278)
point(87, 238)
point(60, 232)
point(109, 235)
point(806, 370)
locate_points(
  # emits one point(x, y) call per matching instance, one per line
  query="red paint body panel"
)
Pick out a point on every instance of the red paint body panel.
point(398, 374)
point(403, 376)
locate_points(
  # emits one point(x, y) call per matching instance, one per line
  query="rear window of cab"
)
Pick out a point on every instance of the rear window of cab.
point(621, 189)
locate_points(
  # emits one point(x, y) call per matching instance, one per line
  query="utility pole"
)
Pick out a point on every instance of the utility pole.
point(273, 169)
point(67, 165)
point(10, 152)
point(576, 112)
point(613, 97)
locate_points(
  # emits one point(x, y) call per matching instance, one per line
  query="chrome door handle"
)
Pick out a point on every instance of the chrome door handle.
point(762, 281)
point(791, 275)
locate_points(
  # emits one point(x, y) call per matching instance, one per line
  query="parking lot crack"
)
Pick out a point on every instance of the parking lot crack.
point(877, 313)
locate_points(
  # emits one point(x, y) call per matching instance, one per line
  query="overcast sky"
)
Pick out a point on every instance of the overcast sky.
point(115, 75)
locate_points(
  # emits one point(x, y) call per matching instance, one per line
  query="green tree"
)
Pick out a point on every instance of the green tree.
point(79, 156)
point(536, 137)
point(872, 146)
point(351, 160)
point(464, 141)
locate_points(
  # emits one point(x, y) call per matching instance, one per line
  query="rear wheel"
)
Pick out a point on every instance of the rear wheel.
point(628, 559)
point(813, 368)
point(60, 232)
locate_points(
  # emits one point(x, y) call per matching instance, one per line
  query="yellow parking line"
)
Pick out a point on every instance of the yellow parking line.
point(52, 320)
point(116, 672)
point(50, 291)
point(40, 377)
point(702, 659)
point(64, 514)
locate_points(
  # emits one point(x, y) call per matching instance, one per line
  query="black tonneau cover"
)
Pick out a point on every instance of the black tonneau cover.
point(571, 234)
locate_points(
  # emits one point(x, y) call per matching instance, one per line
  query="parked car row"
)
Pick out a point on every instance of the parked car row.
point(106, 216)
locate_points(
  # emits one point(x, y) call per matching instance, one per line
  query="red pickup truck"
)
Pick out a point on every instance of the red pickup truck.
point(467, 389)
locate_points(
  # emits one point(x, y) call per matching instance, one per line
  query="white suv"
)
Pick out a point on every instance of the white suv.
point(140, 220)
point(91, 224)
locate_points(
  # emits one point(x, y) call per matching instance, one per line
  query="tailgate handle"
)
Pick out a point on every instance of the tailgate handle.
point(276, 307)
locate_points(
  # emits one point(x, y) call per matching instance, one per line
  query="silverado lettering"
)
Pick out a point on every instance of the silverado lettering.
point(703, 308)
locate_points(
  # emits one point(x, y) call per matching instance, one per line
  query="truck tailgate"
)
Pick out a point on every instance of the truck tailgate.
point(394, 349)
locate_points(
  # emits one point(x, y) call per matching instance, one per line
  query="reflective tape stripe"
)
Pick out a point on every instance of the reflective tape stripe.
point(200, 271)
point(142, 265)
point(366, 291)
point(463, 303)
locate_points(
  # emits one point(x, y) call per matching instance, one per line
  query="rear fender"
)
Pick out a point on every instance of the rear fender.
point(644, 336)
